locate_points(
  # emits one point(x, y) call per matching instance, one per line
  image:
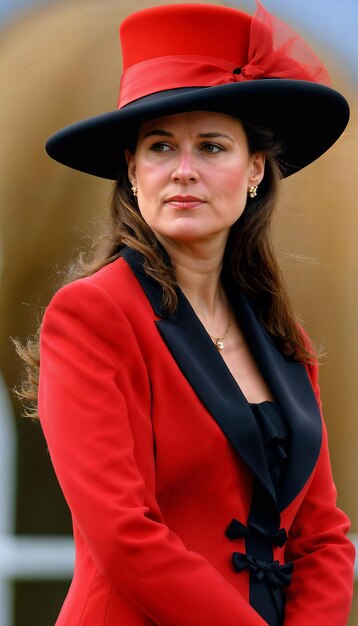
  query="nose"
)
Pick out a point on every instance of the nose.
point(185, 170)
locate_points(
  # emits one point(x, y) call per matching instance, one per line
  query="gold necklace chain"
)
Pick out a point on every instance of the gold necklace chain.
point(218, 341)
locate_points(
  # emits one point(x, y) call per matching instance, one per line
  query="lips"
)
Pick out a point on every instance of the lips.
point(184, 202)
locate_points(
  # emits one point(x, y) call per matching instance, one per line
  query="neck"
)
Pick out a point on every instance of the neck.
point(198, 269)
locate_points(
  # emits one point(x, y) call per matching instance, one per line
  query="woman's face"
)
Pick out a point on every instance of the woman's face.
point(192, 171)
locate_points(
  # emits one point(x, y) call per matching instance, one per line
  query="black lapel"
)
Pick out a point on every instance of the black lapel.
point(209, 376)
point(207, 373)
point(292, 390)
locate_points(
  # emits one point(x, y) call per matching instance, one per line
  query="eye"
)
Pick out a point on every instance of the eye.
point(211, 148)
point(160, 146)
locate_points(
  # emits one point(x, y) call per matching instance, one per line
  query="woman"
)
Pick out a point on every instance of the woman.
point(177, 394)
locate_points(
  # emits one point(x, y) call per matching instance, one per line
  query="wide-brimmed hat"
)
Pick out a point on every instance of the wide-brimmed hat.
point(186, 57)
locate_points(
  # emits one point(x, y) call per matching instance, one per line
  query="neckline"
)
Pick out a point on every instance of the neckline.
point(271, 402)
point(219, 355)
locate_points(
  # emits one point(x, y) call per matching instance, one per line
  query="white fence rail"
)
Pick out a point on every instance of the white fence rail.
point(24, 557)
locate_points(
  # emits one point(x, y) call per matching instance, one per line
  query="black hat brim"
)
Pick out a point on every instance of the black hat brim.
point(310, 117)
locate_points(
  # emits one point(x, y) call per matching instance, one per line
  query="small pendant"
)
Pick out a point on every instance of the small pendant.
point(219, 344)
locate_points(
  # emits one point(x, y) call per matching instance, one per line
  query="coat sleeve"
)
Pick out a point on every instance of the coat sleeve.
point(322, 583)
point(87, 349)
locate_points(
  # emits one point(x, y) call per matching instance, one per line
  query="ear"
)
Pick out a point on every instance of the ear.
point(257, 168)
point(130, 158)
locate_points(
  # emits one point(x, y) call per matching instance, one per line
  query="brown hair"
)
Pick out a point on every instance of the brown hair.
point(249, 260)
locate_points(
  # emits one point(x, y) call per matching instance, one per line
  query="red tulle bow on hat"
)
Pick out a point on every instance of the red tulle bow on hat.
point(276, 51)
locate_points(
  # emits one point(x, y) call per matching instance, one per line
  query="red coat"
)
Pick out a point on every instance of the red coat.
point(156, 452)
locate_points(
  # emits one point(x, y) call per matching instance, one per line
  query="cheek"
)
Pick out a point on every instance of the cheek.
point(236, 178)
point(149, 178)
point(233, 184)
point(148, 199)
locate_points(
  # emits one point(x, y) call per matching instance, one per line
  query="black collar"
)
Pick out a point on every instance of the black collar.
point(207, 373)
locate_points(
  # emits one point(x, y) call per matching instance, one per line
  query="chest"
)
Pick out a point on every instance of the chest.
point(243, 367)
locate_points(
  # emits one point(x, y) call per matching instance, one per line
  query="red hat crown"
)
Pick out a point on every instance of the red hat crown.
point(194, 29)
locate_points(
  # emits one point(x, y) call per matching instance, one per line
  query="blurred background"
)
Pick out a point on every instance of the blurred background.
point(60, 62)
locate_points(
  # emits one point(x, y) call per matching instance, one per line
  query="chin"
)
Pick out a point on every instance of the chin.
point(189, 237)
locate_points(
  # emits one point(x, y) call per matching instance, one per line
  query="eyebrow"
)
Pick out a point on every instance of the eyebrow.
point(214, 135)
point(162, 133)
point(165, 133)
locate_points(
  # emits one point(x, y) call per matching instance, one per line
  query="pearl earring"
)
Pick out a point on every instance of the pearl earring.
point(134, 191)
point(253, 191)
